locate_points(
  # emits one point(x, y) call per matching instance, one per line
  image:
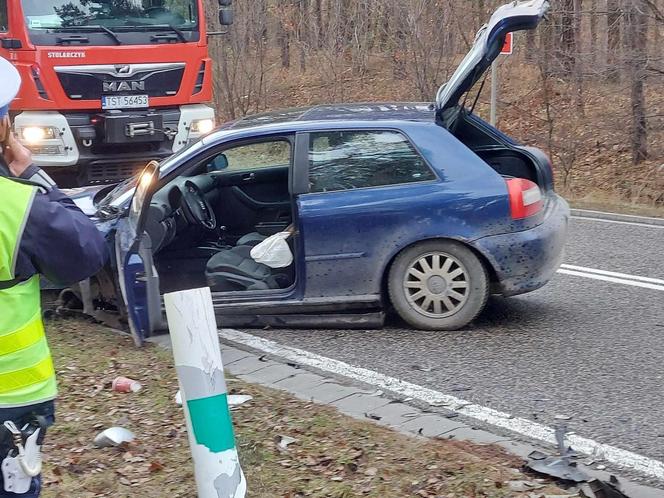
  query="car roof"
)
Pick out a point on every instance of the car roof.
point(375, 111)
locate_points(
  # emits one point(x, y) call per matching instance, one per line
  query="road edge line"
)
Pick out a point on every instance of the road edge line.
point(617, 217)
point(523, 427)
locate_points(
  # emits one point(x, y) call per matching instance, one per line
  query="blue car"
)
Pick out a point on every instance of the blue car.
point(420, 209)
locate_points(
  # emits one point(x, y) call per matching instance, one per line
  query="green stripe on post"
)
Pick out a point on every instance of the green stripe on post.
point(211, 422)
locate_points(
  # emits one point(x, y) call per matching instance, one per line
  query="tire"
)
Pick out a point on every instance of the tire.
point(438, 285)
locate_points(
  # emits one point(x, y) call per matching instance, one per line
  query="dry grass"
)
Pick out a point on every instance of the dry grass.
point(334, 456)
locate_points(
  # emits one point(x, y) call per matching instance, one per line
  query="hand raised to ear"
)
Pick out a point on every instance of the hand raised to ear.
point(17, 156)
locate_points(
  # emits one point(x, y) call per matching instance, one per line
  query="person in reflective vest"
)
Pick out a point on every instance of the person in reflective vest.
point(42, 232)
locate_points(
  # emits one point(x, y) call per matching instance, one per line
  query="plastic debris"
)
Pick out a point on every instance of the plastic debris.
point(520, 486)
point(603, 489)
point(284, 441)
point(563, 417)
point(178, 398)
point(113, 436)
point(126, 385)
point(235, 400)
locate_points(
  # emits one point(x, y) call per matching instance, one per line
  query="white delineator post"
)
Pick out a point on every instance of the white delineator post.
point(200, 371)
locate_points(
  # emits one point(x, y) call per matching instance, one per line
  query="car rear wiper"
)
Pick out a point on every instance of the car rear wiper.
point(93, 28)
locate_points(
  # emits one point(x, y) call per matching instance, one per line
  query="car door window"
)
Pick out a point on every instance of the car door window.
point(4, 23)
point(248, 157)
point(345, 160)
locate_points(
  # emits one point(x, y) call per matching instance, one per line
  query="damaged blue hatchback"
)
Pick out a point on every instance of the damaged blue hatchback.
point(424, 209)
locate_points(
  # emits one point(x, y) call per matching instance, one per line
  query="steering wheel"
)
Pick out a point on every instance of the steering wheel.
point(197, 206)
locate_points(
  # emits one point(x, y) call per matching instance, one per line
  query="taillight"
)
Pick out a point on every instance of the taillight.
point(525, 198)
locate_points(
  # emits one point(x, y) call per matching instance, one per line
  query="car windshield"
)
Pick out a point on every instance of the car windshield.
point(114, 14)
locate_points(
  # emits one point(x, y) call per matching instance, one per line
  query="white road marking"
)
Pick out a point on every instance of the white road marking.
point(617, 456)
point(613, 274)
point(613, 277)
point(605, 213)
point(617, 222)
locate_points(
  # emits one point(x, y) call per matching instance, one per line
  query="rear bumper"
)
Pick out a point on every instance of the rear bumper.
point(525, 261)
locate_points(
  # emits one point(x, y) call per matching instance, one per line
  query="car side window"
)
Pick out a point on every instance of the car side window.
point(4, 18)
point(345, 160)
point(248, 157)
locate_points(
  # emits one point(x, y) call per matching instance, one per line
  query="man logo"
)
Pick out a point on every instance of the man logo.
point(123, 69)
point(124, 86)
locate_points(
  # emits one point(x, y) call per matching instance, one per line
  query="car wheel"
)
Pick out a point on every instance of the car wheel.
point(438, 285)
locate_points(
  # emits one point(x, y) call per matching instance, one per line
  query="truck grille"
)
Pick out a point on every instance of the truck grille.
point(88, 82)
point(111, 173)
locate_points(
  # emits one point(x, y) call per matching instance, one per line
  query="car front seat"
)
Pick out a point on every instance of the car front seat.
point(234, 269)
point(251, 239)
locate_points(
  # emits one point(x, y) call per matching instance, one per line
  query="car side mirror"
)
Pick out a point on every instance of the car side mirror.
point(226, 16)
point(219, 163)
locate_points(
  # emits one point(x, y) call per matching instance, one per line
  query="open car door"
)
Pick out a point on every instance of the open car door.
point(137, 275)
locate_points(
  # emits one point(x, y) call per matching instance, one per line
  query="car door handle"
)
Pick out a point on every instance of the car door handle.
point(249, 177)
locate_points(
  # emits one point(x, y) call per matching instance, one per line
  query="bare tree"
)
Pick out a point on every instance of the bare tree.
point(636, 29)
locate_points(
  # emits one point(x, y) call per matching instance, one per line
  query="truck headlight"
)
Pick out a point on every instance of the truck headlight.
point(202, 126)
point(33, 135)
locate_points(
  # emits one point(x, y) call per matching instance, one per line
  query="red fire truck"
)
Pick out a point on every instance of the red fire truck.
point(108, 84)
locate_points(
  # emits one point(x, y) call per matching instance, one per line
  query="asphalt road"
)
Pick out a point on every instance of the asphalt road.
point(589, 349)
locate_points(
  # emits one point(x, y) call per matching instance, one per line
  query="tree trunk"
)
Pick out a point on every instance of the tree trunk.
point(578, 58)
point(636, 23)
point(546, 44)
point(283, 37)
point(567, 35)
point(318, 15)
point(613, 16)
point(530, 45)
point(593, 31)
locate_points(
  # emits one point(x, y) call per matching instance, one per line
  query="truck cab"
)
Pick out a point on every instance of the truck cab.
point(108, 85)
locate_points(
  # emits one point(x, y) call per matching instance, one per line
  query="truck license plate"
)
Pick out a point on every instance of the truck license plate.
point(124, 101)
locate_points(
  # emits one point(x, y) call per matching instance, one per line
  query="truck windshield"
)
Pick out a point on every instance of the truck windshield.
point(117, 15)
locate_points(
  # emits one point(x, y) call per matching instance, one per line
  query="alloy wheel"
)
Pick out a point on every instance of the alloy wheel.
point(436, 285)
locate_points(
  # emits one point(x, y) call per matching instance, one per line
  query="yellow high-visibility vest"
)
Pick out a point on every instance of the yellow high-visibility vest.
point(26, 369)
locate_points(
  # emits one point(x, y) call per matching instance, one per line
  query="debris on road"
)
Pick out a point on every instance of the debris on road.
point(564, 468)
point(126, 385)
point(113, 436)
point(421, 368)
point(558, 467)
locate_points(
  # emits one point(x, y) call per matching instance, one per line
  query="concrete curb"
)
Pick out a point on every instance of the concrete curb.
point(376, 406)
point(628, 218)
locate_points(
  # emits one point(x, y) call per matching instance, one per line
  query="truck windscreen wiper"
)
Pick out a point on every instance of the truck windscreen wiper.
point(93, 28)
point(154, 27)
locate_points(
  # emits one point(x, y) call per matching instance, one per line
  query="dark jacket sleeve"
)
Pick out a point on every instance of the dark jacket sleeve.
point(59, 241)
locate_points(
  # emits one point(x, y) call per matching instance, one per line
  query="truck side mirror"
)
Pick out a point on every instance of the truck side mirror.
point(226, 15)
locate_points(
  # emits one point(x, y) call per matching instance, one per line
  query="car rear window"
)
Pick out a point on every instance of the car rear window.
point(345, 160)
